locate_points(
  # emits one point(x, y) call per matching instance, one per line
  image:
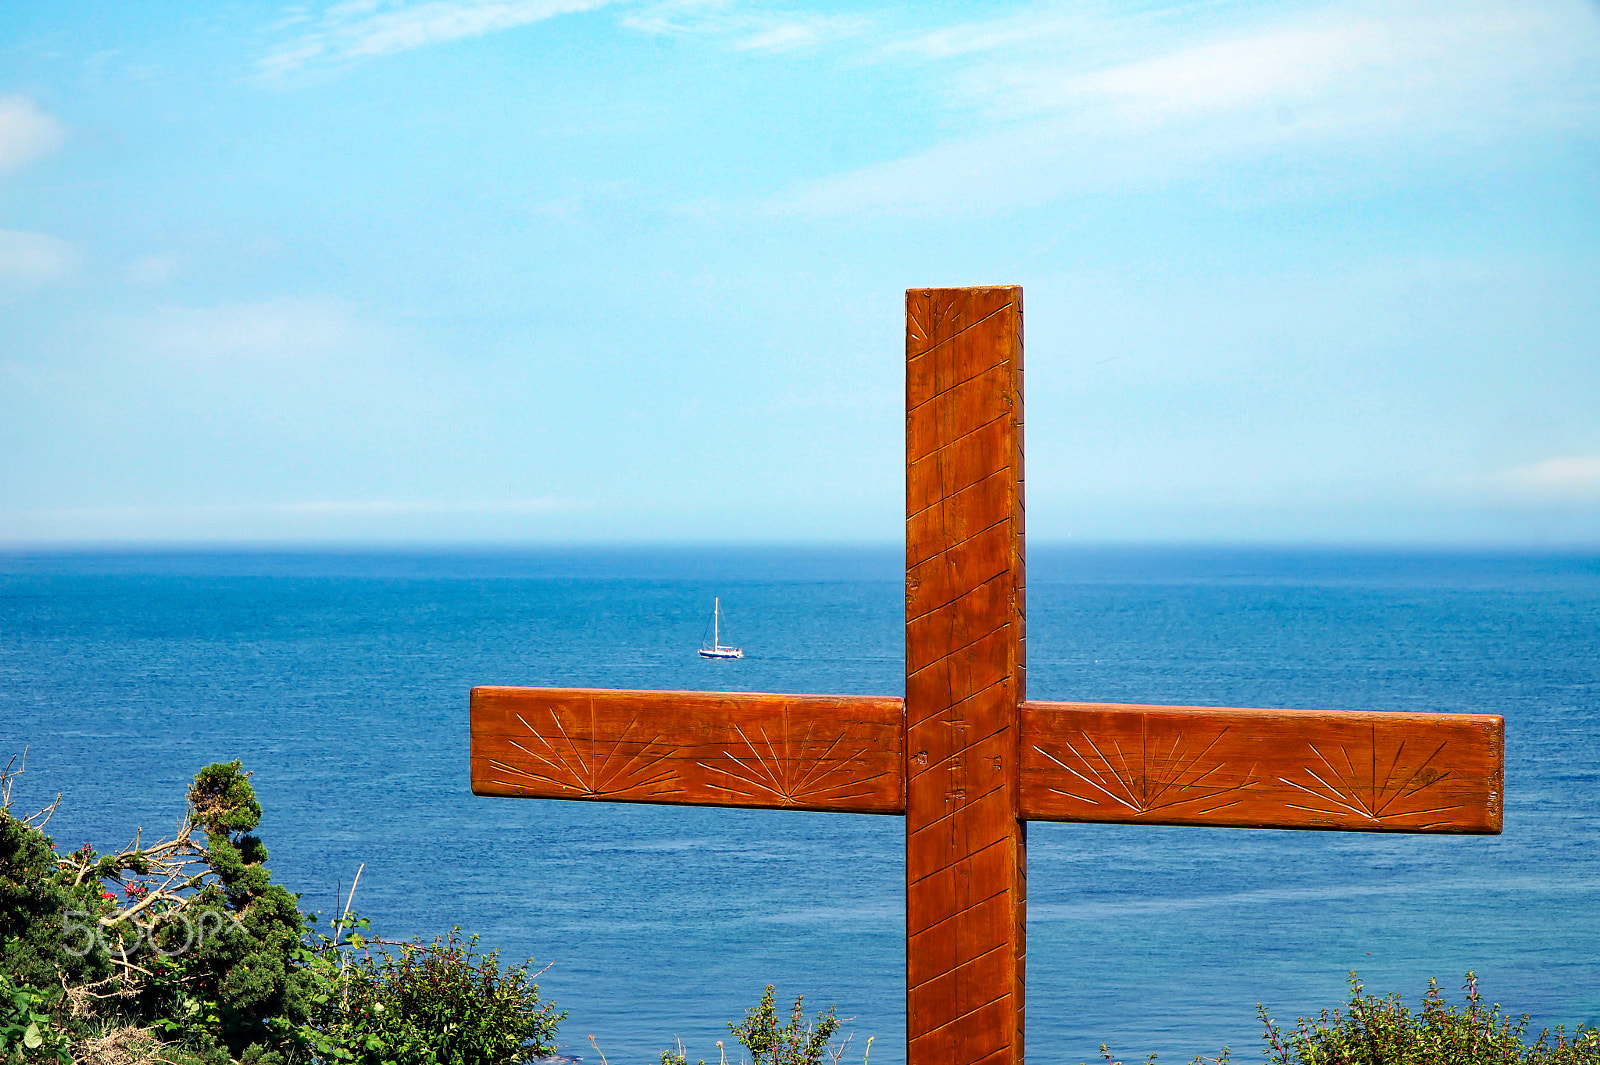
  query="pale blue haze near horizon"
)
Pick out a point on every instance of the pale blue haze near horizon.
point(571, 271)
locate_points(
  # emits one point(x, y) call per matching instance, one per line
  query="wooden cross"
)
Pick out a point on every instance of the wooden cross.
point(965, 757)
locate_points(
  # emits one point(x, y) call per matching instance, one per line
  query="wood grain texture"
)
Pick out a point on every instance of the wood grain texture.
point(966, 884)
point(803, 752)
point(1174, 765)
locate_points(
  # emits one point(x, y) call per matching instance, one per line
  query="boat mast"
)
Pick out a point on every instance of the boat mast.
point(716, 622)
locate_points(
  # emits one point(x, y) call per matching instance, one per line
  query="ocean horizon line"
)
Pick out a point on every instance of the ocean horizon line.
point(1069, 561)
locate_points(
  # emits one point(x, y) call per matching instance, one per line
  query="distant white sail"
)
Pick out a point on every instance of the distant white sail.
point(716, 650)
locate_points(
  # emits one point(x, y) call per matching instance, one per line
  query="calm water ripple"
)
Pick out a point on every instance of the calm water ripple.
point(341, 681)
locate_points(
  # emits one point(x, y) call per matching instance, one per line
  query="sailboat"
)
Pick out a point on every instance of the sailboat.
point(716, 650)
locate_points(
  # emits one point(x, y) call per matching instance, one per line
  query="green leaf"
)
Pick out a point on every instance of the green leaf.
point(31, 1038)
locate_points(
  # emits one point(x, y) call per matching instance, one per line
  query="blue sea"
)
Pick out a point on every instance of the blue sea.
point(341, 681)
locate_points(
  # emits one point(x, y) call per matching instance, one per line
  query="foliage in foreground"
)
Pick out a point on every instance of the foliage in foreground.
point(1374, 1031)
point(1383, 1031)
point(441, 1003)
point(798, 1042)
point(25, 1028)
point(187, 951)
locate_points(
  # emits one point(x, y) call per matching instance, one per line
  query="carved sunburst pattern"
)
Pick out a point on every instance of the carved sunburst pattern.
point(1163, 773)
point(784, 762)
point(930, 315)
point(1261, 768)
point(565, 754)
point(937, 317)
point(1367, 778)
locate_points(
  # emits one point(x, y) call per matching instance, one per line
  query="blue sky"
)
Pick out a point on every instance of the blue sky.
point(558, 271)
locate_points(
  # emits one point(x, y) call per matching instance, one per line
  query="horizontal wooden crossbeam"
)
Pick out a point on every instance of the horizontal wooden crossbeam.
point(1090, 762)
point(1310, 769)
point(805, 752)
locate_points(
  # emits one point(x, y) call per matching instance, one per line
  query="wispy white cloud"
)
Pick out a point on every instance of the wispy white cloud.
point(273, 331)
point(366, 29)
point(1569, 479)
point(28, 260)
point(1349, 64)
point(316, 507)
point(742, 27)
point(360, 507)
point(299, 521)
point(1093, 29)
point(1064, 104)
point(784, 35)
point(26, 133)
point(150, 271)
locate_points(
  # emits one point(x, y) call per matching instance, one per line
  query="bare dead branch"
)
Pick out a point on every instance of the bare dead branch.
point(39, 818)
point(8, 776)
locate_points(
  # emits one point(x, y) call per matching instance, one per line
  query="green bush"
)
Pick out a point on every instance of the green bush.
point(440, 1003)
point(196, 944)
point(796, 1043)
point(191, 939)
point(37, 893)
point(1374, 1031)
point(227, 975)
point(27, 1029)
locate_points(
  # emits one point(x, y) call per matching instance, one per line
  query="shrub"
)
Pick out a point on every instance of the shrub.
point(36, 895)
point(440, 1003)
point(796, 1043)
point(27, 1031)
point(195, 944)
point(1374, 1031)
point(192, 939)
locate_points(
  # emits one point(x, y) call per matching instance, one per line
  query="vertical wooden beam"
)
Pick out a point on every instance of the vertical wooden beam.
point(966, 869)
